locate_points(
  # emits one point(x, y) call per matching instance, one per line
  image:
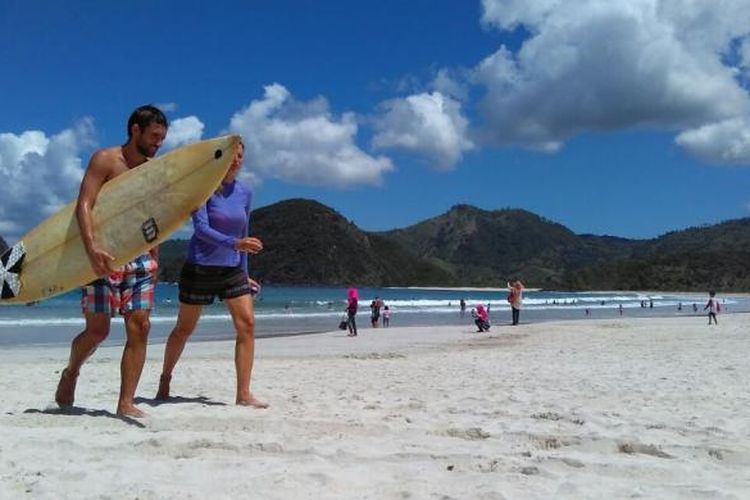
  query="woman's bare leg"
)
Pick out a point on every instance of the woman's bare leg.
point(243, 315)
point(187, 319)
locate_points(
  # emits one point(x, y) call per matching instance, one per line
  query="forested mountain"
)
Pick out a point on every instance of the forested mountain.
point(307, 243)
point(490, 247)
point(702, 258)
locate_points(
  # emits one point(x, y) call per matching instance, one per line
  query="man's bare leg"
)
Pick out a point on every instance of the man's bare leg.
point(137, 326)
point(243, 317)
point(82, 347)
point(187, 318)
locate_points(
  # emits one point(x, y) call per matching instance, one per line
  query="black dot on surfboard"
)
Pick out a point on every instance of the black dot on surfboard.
point(218, 154)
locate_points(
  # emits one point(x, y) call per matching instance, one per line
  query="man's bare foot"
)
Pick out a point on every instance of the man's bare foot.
point(252, 401)
point(163, 393)
point(129, 411)
point(66, 389)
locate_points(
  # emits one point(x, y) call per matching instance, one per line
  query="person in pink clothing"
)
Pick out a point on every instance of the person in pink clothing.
point(482, 320)
point(352, 301)
point(386, 316)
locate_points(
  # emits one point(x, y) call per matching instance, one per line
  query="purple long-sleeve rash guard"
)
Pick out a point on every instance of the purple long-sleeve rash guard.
point(218, 225)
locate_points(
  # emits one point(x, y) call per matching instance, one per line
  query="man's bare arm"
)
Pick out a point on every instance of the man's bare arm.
point(98, 172)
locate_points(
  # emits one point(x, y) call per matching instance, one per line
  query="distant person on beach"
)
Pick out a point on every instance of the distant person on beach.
point(695, 307)
point(375, 306)
point(386, 316)
point(515, 298)
point(128, 290)
point(216, 265)
point(352, 301)
point(462, 305)
point(620, 308)
point(482, 319)
point(713, 307)
point(679, 306)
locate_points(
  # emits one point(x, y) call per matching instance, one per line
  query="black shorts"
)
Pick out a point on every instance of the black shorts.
point(200, 284)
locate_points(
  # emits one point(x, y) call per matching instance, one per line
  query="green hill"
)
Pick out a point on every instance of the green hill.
point(702, 258)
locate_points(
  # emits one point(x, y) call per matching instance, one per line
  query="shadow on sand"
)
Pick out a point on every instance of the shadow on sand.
point(203, 400)
point(78, 411)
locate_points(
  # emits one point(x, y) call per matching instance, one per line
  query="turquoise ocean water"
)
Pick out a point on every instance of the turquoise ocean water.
point(298, 310)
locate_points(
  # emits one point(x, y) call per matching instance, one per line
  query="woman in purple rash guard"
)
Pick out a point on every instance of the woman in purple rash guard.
point(217, 266)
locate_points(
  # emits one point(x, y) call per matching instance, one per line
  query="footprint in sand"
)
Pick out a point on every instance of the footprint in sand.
point(470, 434)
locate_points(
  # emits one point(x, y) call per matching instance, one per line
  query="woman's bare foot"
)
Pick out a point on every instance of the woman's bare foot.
point(66, 389)
point(252, 401)
point(163, 393)
point(129, 411)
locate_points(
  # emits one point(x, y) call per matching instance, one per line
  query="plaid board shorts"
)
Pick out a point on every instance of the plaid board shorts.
point(130, 288)
point(200, 284)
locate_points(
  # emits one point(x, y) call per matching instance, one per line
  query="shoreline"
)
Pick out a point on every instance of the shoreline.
point(211, 331)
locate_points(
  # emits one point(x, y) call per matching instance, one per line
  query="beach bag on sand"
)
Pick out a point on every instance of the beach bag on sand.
point(344, 324)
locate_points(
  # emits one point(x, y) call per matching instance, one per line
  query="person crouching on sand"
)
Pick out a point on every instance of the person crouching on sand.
point(482, 319)
point(217, 265)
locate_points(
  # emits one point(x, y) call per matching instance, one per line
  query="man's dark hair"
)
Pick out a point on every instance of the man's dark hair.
point(144, 116)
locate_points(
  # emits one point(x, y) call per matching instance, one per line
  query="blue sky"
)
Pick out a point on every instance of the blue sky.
point(627, 117)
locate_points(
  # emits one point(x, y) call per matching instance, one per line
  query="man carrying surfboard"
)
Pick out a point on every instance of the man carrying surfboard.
point(128, 290)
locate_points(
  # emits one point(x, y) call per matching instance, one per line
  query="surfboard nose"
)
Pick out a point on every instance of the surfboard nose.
point(226, 145)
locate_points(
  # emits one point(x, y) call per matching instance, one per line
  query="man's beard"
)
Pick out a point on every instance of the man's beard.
point(144, 150)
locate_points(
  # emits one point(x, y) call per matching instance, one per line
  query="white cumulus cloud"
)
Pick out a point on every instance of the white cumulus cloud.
point(304, 143)
point(183, 131)
point(429, 124)
point(40, 174)
point(608, 65)
point(726, 142)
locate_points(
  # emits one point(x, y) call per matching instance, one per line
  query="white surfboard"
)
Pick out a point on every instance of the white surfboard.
point(134, 212)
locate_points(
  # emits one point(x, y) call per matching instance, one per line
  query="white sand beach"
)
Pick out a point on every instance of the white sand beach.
point(622, 408)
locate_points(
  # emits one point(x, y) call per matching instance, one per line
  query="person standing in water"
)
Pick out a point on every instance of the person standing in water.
point(386, 316)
